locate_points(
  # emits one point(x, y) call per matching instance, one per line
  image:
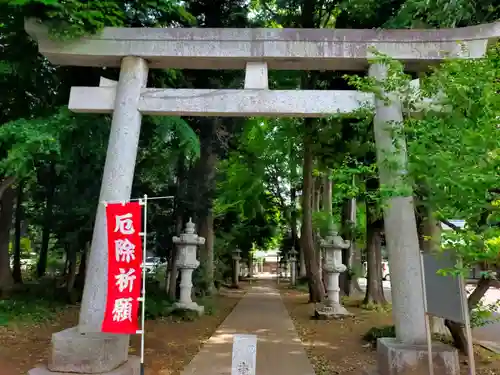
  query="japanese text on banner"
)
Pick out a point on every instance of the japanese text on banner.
point(124, 267)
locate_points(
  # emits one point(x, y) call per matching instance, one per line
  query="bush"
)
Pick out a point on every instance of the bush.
point(483, 314)
point(376, 333)
point(25, 307)
point(159, 306)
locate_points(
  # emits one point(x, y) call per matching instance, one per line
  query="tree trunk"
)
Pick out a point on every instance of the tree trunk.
point(172, 283)
point(374, 287)
point(16, 269)
point(316, 290)
point(295, 237)
point(324, 189)
point(71, 275)
point(41, 267)
point(316, 203)
point(302, 264)
point(6, 184)
point(250, 265)
point(327, 193)
point(205, 196)
point(457, 330)
point(82, 268)
point(6, 210)
point(349, 279)
point(207, 231)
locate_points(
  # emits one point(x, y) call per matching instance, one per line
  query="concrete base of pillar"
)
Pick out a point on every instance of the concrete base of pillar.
point(325, 312)
point(89, 353)
point(193, 306)
point(130, 367)
point(395, 358)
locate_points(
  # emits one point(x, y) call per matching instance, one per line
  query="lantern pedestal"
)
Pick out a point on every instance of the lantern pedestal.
point(185, 302)
point(131, 367)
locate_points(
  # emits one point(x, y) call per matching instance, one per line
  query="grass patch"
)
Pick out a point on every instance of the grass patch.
point(28, 309)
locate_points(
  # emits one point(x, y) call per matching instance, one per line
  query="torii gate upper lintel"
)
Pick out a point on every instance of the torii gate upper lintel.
point(282, 49)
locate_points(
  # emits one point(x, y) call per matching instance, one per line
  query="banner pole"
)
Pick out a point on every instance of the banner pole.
point(428, 328)
point(143, 304)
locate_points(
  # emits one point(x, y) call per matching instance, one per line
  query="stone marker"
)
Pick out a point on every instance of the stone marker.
point(333, 245)
point(186, 260)
point(244, 356)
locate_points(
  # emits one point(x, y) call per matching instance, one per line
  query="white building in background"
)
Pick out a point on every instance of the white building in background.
point(458, 223)
point(266, 261)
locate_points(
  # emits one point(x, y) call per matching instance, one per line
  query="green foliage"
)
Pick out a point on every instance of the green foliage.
point(452, 145)
point(68, 19)
point(484, 314)
point(26, 142)
point(29, 308)
point(376, 333)
point(444, 13)
point(159, 306)
point(377, 307)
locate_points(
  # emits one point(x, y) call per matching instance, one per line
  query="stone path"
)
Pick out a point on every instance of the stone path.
point(279, 350)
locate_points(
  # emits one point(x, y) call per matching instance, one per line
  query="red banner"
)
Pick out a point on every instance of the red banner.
point(124, 267)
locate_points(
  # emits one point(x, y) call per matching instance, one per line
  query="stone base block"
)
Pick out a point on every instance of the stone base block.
point(324, 312)
point(193, 306)
point(395, 358)
point(89, 353)
point(131, 367)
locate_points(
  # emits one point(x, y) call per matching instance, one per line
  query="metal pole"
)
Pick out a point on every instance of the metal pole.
point(468, 331)
point(143, 299)
point(140, 199)
point(427, 320)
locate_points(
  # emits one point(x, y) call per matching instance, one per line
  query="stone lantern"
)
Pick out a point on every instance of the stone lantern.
point(186, 261)
point(236, 267)
point(293, 266)
point(243, 267)
point(333, 244)
point(282, 264)
point(278, 266)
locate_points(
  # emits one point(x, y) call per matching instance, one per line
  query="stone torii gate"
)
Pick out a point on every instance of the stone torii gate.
point(84, 349)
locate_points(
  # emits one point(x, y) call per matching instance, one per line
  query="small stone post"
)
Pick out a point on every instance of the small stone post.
point(186, 260)
point(293, 269)
point(333, 245)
